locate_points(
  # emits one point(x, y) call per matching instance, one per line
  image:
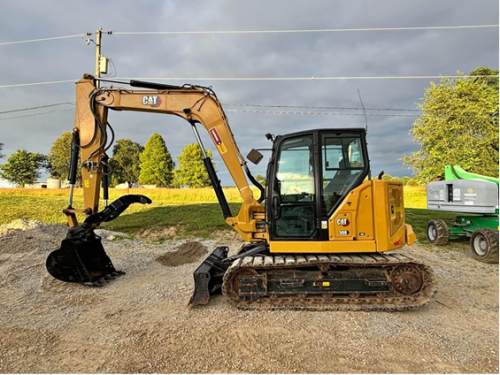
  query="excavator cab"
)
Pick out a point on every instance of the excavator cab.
point(310, 173)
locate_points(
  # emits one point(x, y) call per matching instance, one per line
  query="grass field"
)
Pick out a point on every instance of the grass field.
point(193, 212)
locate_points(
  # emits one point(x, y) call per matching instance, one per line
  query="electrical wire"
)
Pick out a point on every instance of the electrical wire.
point(337, 78)
point(37, 107)
point(317, 113)
point(316, 107)
point(333, 78)
point(254, 32)
point(42, 39)
point(275, 112)
point(37, 83)
point(36, 114)
point(304, 30)
point(349, 114)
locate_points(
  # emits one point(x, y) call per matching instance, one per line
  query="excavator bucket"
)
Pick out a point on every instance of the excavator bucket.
point(81, 257)
point(81, 261)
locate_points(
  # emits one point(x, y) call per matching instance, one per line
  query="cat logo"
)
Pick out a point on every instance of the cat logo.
point(153, 101)
point(342, 222)
point(471, 190)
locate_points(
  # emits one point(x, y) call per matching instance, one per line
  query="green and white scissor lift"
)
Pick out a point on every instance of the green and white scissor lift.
point(466, 193)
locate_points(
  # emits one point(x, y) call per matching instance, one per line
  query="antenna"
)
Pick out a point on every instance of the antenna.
point(364, 111)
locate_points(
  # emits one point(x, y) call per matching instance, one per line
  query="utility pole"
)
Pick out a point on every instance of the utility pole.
point(98, 35)
point(101, 62)
point(101, 66)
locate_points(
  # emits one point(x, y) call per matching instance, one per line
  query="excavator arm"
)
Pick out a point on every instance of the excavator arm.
point(196, 105)
point(81, 257)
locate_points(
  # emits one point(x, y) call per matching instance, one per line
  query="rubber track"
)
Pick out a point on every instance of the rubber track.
point(389, 302)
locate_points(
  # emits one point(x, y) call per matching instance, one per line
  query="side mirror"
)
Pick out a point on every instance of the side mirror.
point(255, 156)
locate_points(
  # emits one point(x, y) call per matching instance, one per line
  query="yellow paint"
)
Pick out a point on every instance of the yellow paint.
point(410, 235)
point(321, 247)
point(361, 225)
point(326, 283)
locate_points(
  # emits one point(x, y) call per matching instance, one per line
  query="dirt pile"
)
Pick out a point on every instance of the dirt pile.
point(188, 252)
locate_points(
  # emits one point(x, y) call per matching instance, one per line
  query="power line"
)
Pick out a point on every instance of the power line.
point(333, 78)
point(318, 113)
point(255, 32)
point(279, 112)
point(348, 113)
point(39, 113)
point(37, 107)
point(316, 107)
point(265, 112)
point(42, 39)
point(304, 30)
point(37, 83)
point(238, 105)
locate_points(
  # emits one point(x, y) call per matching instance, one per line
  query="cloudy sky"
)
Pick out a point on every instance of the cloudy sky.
point(376, 53)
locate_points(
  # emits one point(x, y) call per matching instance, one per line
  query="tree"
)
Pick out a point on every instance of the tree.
point(59, 158)
point(458, 125)
point(23, 167)
point(191, 170)
point(485, 71)
point(1, 148)
point(405, 180)
point(261, 179)
point(125, 164)
point(156, 163)
point(386, 177)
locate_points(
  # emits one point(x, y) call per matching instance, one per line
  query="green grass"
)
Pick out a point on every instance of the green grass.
point(418, 219)
point(189, 220)
point(193, 212)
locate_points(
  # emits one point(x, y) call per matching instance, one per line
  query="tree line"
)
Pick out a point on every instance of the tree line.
point(458, 125)
point(130, 163)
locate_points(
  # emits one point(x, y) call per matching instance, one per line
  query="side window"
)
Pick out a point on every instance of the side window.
point(295, 171)
point(295, 186)
point(343, 162)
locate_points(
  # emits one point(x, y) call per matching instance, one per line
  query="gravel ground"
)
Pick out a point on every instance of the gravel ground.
point(141, 322)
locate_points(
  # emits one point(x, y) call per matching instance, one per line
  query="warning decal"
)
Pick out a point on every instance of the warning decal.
point(218, 141)
point(215, 136)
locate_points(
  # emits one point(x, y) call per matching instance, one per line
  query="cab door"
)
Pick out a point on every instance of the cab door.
point(293, 193)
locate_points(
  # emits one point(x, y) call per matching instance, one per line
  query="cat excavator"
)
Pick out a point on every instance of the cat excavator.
point(321, 235)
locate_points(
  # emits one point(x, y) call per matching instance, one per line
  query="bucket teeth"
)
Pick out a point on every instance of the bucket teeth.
point(105, 279)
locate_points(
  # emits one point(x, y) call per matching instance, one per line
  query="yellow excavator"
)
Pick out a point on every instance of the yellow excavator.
point(318, 242)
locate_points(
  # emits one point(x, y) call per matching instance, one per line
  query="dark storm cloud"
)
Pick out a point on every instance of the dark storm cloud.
point(269, 55)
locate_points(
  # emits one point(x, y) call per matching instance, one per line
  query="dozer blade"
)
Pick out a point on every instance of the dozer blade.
point(81, 257)
point(208, 276)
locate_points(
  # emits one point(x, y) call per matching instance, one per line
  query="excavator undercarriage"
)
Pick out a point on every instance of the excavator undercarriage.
point(386, 282)
point(367, 282)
